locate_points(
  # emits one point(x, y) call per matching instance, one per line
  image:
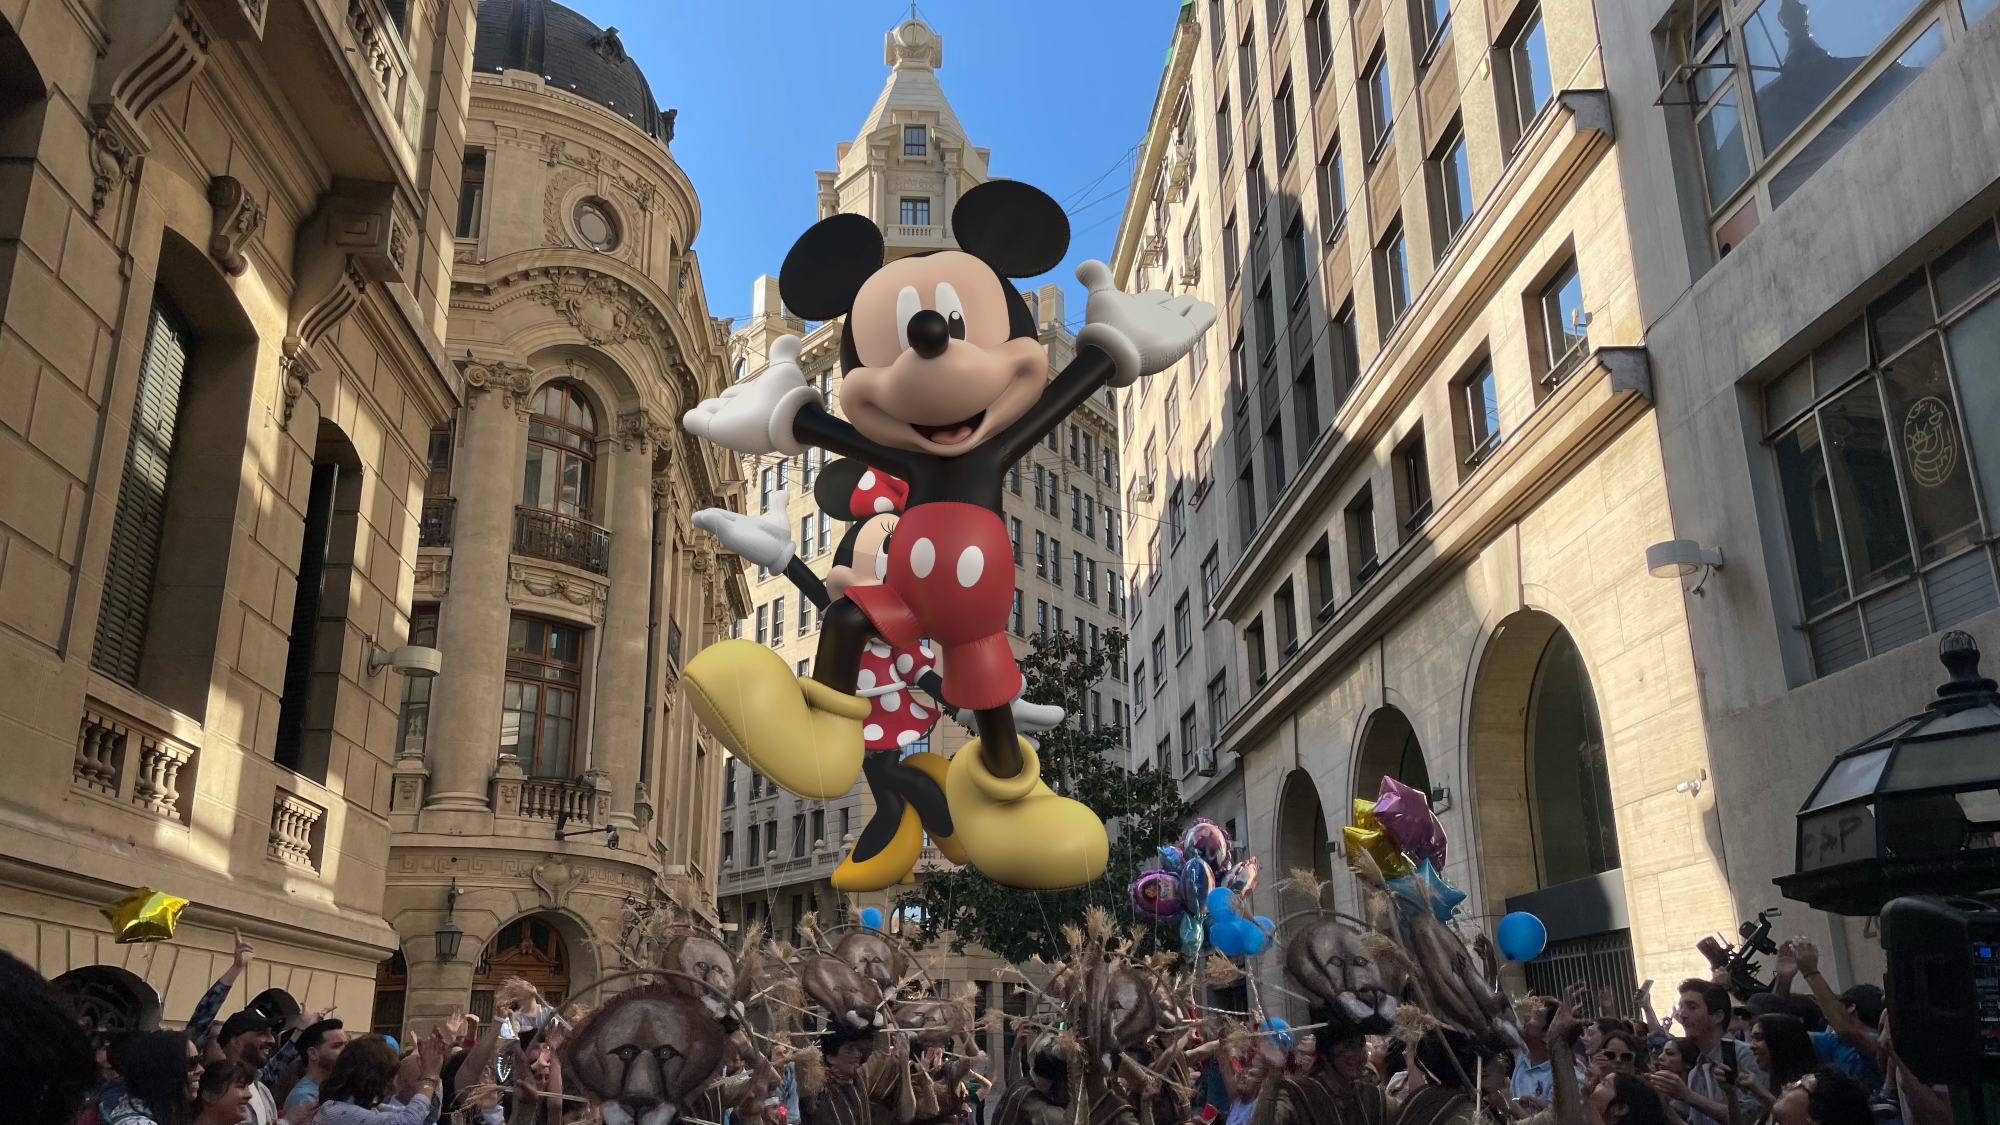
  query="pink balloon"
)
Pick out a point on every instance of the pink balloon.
point(1157, 894)
point(1406, 816)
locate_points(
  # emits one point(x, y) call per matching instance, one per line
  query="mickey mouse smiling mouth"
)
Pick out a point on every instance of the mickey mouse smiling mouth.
point(940, 355)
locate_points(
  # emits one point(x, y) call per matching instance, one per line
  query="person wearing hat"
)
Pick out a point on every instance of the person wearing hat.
point(249, 1037)
point(319, 1045)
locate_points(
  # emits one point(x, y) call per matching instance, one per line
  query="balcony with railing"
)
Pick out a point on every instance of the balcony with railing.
point(131, 761)
point(559, 798)
point(434, 527)
point(562, 539)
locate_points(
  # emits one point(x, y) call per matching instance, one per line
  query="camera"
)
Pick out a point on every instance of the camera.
point(1737, 959)
point(1943, 986)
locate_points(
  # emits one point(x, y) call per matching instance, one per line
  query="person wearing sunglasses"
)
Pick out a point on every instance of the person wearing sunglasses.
point(1621, 1053)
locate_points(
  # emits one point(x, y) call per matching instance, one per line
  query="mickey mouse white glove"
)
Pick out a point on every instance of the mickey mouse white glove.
point(1144, 333)
point(755, 416)
point(1029, 718)
point(766, 542)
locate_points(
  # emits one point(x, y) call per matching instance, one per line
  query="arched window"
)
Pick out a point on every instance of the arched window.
point(1390, 748)
point(562, 452)
point(1569, 787)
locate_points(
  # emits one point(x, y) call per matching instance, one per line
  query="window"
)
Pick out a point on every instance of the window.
point(1528, 63)
point(1305, 408)
point(1319, 580)
point(596, 224)
point(1139, 695)
point(1055, 560)
point(1159, 659)
point(1041, 555)
point(413, 720)
point(1153, 567)
point(1346, 353)
point(756, 856)
point(1163, 754)
point(1014, 478)
point(777, 620)
point(1111, 527)
point(1260, 191)
point(825, 535)
point(1055, 619)
point(819, 826)
point(1267, 323)
point(1090, 582)
point(562, 452)
point(1246, 503)
point(1041, 617)
point(1211, 576)
point(1183, 625)
point(728, 848)
point(1090, 517)
point(1222, 134)
point(1049, 439)
point(916, 141)
point(538, 710)
point(1361, 560)
point(1204, 464)
point(1014, 537)
point(1413, 468)
point(1216, 29)
point(471, 192)
point(805, 616)
point(764, 624)
point(1246, 62)
point(1564, 324)
point(806, 534)
point(1285, 117)
point(916, 213)
point(1319, 41)
point(1868, 435)
point(1392, 277)
point(729, 783)
point(1177, 515)
point(1173, 407)
point(1332, 186)
point(798, 849)
point(1253, 651)
point(1274, 458)
point(1232, 265)
point(1285, 611)
point(1189, 733)
point(1295, 260)
point(1089, 447)
point(1096, 697)
point(1378, 113)
point(1075, 508)
point(1014, 615)
point(1450, 176)
point(1076, 572)
point(1429, 20)
point(1218, 706)
point(1482, 412)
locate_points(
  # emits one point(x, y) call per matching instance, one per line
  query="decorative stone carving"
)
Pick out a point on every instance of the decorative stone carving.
point(110, 166)
point(556, 879)
point(345, 243)
point(602, 309)
point(238, 218)
point(156, 44)
point(368, 40)
point(510, 379)
point(433, 574)
point(635, 431)
point(524, 582)
point(608, 46)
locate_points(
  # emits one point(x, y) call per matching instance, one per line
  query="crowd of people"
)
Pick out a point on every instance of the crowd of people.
point(1800, 1054)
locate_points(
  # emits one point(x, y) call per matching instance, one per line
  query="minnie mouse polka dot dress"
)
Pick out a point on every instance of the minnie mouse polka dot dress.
point(888, 679)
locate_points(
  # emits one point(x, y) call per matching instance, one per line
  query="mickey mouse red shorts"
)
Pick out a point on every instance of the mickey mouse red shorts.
point(951, 578)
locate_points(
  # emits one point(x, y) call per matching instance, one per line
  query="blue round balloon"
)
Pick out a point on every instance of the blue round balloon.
point(1281, 1032)
point(871, 917)
point(1521, 936)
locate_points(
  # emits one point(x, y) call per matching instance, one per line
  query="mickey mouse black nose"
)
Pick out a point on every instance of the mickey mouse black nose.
point(929, 333)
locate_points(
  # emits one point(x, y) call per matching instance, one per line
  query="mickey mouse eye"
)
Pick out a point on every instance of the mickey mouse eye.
point(954, 312)
point(908, 304)
point(882, 561)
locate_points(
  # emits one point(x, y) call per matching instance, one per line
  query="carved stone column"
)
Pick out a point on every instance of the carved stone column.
point(619, 721)
point(464, 743)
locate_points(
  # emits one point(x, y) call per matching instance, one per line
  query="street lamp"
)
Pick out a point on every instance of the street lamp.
point(448, 935)
point(1912, 810)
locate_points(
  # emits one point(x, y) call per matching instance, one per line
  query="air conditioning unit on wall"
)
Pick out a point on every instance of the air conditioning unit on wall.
point(1205, 761)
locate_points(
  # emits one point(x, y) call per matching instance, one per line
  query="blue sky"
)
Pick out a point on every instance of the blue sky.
point(1060, 90)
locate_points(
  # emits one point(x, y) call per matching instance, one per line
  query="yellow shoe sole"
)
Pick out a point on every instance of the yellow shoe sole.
point(796, 731)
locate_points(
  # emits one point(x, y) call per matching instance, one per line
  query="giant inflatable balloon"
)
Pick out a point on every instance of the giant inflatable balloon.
point(915, 325)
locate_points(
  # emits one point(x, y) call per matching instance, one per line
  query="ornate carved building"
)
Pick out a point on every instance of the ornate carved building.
point(557, 566)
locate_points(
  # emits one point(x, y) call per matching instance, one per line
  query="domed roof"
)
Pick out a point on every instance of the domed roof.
point(570, 53)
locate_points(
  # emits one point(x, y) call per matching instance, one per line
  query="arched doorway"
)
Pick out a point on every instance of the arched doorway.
point(1548, 835)
point(1301, 840)
point(110, 1000)
point(1389, 749)
point(392, 982)
point(529, 948)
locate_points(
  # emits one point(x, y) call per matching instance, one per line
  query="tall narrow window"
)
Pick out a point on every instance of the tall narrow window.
point(1528, 59)
point(1189, 729)
point(1253, 651)
point(1246, 63)
point(1217, 30)
point(1415, 482)
point(303, 645)
point(1565, 324)
point(916, 142)
point(1319, 579)
point(538, 710)
point(1392, 277)
point(1361, 557)
point(1285, 116)
point(1431, 18)
point(1450, 176)
point(1246, 503)
point(1222, 134)
point(562, 452)
point(1332, 186)
point(414, 719)
point(1305, 408)
point(1177, 514)
point(1232, 265)
point(142, 498)
point(1377, 111)
point(1346, 353)
point(1267, 323)
point(1296, 270)
point(1319, 41)
point(1285, 613)
point(1183, 625)
point(1274, 457)
point(471, 192)
point(1482, 413)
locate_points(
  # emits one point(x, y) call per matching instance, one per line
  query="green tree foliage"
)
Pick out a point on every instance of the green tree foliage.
point(1142, 810)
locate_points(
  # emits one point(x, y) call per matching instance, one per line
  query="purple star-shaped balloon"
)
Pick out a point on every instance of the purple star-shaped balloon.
point(1406, 816)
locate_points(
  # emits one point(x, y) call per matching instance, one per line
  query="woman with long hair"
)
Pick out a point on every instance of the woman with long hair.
point(358, 1091)
point(1785, 1053)
point(1622, 1052)
point(223, 1093)
point(1626, 1099)
point(162, 1074)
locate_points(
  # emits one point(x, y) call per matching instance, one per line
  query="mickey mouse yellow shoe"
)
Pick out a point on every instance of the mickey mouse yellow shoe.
point(796, 731)
point(1017, 831)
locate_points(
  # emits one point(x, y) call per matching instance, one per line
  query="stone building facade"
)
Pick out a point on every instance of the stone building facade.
point(905, 169)
point(552, 797)
point(225, 245)
point(1500, 313)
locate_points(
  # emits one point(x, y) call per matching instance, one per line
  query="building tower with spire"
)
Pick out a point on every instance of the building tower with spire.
point(905, 169)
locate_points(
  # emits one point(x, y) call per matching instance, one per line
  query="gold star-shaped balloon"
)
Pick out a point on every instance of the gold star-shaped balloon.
point(144, 915)
point(1366, 834)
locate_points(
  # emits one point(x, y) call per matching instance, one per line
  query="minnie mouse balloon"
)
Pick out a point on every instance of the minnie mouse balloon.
point(1206, 839)
point(1157, 895)
point(1406, 816)
point(1243, 876)
point(1197, 879)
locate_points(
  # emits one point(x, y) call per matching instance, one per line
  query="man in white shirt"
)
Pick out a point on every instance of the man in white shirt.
point(1704, 1014)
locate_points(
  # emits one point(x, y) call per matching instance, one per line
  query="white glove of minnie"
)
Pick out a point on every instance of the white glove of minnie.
point(766, 542)
point(755, 416)
point(1144, 333)
point(1029, 718)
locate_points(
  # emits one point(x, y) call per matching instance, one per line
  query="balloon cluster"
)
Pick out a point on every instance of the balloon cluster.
point(1399, 831)
point(1198, 884)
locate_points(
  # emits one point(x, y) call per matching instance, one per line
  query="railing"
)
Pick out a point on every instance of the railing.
point(564, 539)
point(1153, 250)
point(293, 822)
point(117, 755)
point(546, 798)
point(434, 529)
point(916, 232)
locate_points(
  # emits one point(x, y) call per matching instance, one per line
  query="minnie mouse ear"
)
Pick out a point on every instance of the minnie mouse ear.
point(826, 267)
point(833, 490)
point(1016, 229)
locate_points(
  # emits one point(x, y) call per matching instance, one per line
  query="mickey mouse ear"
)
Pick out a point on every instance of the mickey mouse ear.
point(833, 489)
point(826, 267)
point(1016, 229)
